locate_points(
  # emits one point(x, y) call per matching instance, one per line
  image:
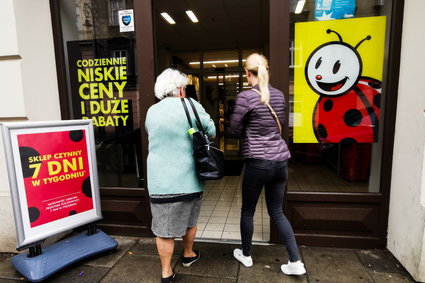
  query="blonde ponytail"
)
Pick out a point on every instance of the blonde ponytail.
point(258, 65)
point(263, 84)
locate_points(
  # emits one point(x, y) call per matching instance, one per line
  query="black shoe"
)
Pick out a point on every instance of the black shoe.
point(187, 261)
point(168, 279)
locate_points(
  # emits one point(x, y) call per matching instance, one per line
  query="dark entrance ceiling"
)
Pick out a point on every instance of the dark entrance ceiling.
point(222, 24)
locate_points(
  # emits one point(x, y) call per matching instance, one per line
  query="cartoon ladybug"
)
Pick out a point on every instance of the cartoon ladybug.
point(348, 107)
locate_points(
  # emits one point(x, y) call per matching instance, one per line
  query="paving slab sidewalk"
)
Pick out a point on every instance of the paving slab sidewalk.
point(136, 260)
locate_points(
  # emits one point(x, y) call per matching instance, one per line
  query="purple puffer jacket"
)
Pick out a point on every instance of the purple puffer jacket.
point(254, 121)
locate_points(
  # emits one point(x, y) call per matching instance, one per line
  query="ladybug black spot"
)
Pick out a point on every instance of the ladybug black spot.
point(86, 188)
point(72, 212)
point(353, 118)
point(76, 136)
point(377, 100)
point(348, 141)
point(375, 84)
point(25, 153)
point(327, 106)
point(321, 130)
point(34, 213)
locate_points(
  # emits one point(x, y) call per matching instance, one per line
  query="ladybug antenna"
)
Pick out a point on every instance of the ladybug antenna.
point(367, 38)
point(329, 31)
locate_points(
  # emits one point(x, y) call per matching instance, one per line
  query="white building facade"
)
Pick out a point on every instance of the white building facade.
point(406, 225)
point(28, 84)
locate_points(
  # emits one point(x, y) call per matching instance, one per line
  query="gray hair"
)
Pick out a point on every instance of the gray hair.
point(169, 82)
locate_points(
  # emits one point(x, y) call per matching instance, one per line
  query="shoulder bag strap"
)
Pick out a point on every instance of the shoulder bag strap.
point(197, 116)
point(187, 112)
point(273, 113)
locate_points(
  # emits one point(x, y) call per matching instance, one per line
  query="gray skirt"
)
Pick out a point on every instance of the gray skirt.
point(171, 220)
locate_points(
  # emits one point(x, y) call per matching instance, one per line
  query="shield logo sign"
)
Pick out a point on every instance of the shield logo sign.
point(126, 20)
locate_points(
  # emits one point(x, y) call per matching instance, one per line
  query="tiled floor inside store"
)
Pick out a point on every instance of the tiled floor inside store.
point(220, 212)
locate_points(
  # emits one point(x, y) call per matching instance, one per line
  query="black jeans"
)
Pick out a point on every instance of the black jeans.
point(272, 175)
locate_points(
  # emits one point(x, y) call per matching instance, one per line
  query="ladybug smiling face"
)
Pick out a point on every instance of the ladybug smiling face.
point(348, 107)
point(333, 69)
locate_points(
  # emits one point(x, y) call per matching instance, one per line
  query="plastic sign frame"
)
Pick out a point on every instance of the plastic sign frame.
point(126, 20)
point(28, 234)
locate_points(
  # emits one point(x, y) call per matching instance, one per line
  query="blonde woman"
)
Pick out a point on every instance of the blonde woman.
point(174, 189)
point(266, 155)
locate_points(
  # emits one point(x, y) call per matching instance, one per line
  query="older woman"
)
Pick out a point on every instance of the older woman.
point(174, 189)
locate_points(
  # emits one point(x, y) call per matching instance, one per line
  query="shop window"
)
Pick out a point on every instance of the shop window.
point(336, 95)
point(102, 86)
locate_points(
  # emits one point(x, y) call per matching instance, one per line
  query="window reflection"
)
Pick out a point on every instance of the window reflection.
point(102, 85)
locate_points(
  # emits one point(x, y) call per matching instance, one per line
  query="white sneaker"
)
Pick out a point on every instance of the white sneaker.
point(293, 268)
point(245, 260)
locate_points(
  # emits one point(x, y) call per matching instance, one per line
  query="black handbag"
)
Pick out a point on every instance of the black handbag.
point(209, 160)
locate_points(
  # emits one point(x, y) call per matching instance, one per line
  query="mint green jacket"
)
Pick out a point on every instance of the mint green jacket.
point(170, 163)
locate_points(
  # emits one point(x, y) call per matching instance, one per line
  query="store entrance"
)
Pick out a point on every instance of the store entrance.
point(337, 193)
point(220, 212)
point(211, 53)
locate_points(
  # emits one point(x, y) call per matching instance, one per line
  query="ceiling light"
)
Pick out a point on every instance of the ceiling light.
point(168, 18)
point(217, 62)
point(226, 76)
point(192, 16)
point(214, 66)
point(300, 6)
